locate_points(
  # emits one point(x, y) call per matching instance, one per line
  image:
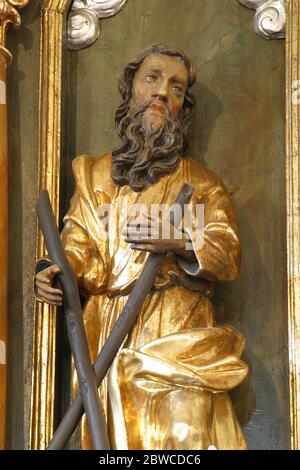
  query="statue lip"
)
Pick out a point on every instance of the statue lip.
point(158, 107)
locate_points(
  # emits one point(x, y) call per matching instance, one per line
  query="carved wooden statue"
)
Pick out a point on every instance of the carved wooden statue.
point(168, 386)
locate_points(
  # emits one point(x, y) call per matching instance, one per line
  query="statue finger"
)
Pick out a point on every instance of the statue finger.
point(52, 271)
point(49, 295)
point(49, 299)
point(143, 247)
point(48, 288)
point(40, 277)
point(53, 299)
point(140, 241)
point(41, 284)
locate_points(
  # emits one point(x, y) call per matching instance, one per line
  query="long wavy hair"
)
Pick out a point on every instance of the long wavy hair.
point(131, 163)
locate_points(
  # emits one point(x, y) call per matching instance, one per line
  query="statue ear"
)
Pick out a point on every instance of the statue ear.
point(192, 74)
point(125, 83)
point(186, 110)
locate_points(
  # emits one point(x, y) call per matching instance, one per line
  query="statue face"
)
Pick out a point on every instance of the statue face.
point(162, 79)
point(153, 134)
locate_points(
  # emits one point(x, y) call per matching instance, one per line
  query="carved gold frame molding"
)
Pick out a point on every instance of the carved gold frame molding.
point(293, 205)
point(53, 22)
point(53, 25)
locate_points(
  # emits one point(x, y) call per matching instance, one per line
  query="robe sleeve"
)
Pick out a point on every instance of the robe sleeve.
point(216, 244)
point(86, 257)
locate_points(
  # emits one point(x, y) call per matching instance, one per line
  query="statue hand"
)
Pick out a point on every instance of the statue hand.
point(44, 290)
point(147, 235)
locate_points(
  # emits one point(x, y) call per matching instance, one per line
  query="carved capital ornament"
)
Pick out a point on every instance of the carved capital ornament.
point(83, 21)
point(9, 14)
point(270, 17)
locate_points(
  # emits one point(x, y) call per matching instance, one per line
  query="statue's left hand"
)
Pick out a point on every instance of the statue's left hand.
point(145, 234)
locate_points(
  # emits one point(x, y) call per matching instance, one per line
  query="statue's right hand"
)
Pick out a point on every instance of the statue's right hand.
point(44, 289)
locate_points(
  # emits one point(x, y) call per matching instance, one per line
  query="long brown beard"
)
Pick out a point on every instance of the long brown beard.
point(148, 150)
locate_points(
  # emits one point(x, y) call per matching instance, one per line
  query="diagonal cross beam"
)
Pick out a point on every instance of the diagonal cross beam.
point(75, 326)
point(122, 327)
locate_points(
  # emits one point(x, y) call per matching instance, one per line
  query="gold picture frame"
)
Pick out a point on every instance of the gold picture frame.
point(53, 17)
point(53, 25)
point(292, 70)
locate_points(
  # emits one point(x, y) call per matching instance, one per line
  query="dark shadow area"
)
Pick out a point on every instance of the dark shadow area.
point(208, 108)
point(258, 401)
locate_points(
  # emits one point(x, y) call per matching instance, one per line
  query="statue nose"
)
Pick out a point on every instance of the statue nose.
point(162, 92)
point(161, 95)
point(163, 98)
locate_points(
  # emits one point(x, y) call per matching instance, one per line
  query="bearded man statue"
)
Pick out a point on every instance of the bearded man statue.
point(168, 386)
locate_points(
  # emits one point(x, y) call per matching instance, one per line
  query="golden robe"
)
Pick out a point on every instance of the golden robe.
point(167, 388)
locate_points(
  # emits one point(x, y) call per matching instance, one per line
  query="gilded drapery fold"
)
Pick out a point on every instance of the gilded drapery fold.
point(189, 370)
point(219, 255)
point(174, 353)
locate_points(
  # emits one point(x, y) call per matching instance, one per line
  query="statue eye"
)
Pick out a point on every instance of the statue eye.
point(150, 78)
point(178, 91)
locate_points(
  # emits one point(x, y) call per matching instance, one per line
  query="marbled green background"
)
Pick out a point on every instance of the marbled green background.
point(238, 131)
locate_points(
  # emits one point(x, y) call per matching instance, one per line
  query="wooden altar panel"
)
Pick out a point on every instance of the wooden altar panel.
point(238, 131)
point(23, 78)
